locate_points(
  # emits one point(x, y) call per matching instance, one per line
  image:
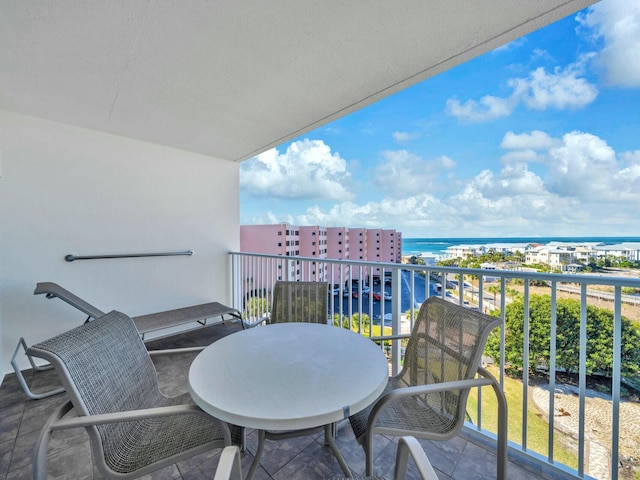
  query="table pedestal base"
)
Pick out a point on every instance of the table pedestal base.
point(328, 440)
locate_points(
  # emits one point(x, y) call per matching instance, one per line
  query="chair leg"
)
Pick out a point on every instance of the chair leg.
point(368, 453)
point(20, 377)
point(502, 433)
point(229, 466)
point(409, 446)
point(39, 467)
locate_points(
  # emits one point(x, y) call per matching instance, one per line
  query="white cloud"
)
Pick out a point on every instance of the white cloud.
point(560, 89)
point(423, 210)
point(580, 186)
point(539, 54)
point(308, 169)
point(487, 108)
point(403, 173)
point(403, 137)
point(583, 188)
point(617, 24)
point(632, 158)
point(583, 166)
point(536, 140)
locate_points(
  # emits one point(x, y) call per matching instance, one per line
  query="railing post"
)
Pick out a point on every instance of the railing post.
point(396, 317)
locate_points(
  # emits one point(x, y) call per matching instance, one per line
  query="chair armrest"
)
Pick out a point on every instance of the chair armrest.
point(229, 466)
point(409, 446)
point(129, 416)
point(418, 390)
point(258, 322)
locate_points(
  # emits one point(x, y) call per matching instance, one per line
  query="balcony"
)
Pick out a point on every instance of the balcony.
point(572, 445)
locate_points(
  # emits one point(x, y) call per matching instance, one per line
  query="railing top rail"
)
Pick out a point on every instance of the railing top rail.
point(537, 276)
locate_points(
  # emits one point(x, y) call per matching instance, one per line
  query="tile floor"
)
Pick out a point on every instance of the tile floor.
point(304, 458)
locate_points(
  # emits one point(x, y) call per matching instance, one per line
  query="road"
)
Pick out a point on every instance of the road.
point(406, 300)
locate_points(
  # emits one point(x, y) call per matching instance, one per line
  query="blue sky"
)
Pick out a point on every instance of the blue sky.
point(540, 137)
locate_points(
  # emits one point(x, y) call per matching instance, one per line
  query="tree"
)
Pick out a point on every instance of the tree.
point(256, 306)
point(599, 337)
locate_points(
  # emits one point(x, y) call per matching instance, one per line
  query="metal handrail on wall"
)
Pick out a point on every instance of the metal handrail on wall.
point(71, 258)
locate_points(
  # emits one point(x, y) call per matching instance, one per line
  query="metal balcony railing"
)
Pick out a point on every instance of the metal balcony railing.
point(390, 294)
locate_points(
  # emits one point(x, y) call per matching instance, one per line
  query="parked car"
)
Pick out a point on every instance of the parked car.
point(376, 296)
point(365, 290)
point(387, 296)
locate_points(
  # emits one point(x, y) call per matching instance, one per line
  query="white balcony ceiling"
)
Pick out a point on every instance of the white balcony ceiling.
point(232, 78)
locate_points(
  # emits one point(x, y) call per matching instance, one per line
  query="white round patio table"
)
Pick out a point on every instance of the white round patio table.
point(288, 376)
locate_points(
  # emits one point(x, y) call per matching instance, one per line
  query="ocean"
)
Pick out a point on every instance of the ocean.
point(438, 246)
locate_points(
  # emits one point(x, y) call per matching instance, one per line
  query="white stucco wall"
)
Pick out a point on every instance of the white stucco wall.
point(70, 190)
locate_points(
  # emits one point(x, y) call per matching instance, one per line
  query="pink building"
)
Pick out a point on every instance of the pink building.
point(279, 239)
point(313, 241)
point(374, 245)
point(390, 246)
point(338, 243)
point(357, 244)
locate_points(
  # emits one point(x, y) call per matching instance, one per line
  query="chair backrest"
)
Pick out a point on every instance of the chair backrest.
point(105, 368)
point(305, 302)
point(446, 345)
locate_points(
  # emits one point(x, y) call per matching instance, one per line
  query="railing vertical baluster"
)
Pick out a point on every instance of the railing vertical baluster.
point(503, 328)
point(396, 288)
point(525, 366)
point(480, 295)
point(582, 377)
point(616, 379)
point(552, 371)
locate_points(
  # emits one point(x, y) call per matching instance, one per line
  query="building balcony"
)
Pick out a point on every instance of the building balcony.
point(590, 431)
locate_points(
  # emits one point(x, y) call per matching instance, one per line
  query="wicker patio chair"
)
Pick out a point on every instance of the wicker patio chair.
point(300, 302)
point(113, 387)
point(303, 302)
point(428, 398)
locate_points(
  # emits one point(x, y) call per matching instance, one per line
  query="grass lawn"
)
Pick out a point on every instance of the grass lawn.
point(537, 426)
